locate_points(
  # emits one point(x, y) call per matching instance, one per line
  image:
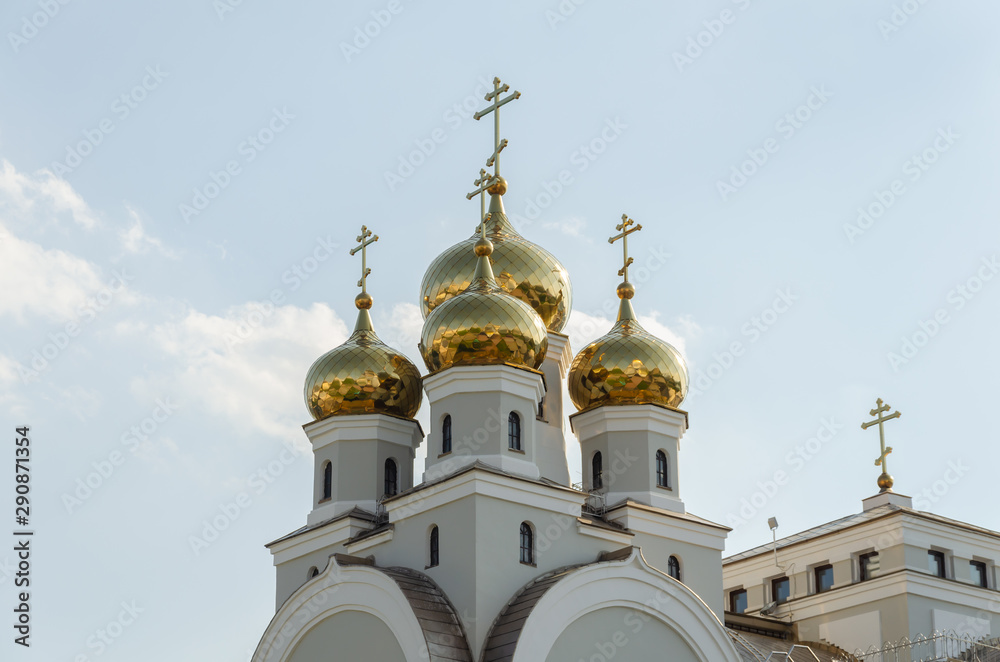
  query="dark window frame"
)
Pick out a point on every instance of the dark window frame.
point(821, 571)
point(940, 561)
point(446, 434)
point(774, 589)
point(327, 480)
point(733, 598)
point(662, 470)
point(674, 567)
point(391, 478)
point(863, 560)
point(597, 471)
point(527, 544)
point(984, 577)
point(435, 547)
point(514, 432)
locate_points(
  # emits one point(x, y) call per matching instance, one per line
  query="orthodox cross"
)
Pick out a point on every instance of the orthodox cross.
point(879, 420)
point(365, 242)
point(624, 227)
point(498, 144)
point(482, 183)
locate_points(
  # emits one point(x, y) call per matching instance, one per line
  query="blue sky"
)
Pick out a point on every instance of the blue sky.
point(746, 137)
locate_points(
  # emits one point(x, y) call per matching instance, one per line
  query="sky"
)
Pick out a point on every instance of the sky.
point(180, 184)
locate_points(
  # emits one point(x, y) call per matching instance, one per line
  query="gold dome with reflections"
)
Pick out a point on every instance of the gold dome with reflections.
point(364, 375)
point(521, 268)
point(483, 325)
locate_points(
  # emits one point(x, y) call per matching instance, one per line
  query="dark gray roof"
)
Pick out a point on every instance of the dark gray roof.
point(443, 631)
point(853, 520)
point(356, 513)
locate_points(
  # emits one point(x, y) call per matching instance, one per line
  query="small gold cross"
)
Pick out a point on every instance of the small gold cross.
point(498, 144)
point(365, 242)
point(624, 227)
point(880, 420)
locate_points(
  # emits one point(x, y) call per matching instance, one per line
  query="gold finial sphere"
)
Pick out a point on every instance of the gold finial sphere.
point(483, 247)
point(363, 301)
point(885, 482)
point(499, 187)
point(626, 290)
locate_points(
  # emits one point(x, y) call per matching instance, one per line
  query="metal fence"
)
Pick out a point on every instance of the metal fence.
point(938, 647)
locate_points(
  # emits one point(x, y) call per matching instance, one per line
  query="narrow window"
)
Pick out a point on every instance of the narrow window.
point(313, 571)
point(824, 578)
point(434, 547)
point(391, 484)
point(446, 435)
point(935, 560)
point(327, 480)
point(597, 471)
point(979, 576)
point(514, 431)
point(780, 589)
point(662, 471)
point(674, 568)
point(738, 601)
point(527, 544)
point(541, 407)
point(868, 566)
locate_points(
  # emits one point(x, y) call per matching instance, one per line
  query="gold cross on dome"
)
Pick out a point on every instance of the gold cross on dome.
point(365, 242)
point(483, 183)
point(880, 420)
point(498, 144)
point(625, 232)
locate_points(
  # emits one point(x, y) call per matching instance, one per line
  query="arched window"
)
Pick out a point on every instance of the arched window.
point(527, 544)
point(597, 471)
point(391, 483)
point(674, 568)
point(446, 434)
point(514, 431)
point(435, 549)
point(327, 480)
point(662, 470)
point(313, 571)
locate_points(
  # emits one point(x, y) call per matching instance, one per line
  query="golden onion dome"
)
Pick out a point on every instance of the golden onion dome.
point(521, 268)
point(363, 376)
point(627, 366)
point(483, 325)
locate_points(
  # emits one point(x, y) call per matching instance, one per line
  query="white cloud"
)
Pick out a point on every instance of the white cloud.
point(247, 365)
point(41, 196)
point(571, 227)
point(136, 241)
point(402, 331)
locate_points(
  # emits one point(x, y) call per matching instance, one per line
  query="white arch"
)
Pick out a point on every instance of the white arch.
point(629, 583)
point(338, 589)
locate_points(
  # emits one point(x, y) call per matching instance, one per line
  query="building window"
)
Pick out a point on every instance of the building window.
point(662, 470)
point(979, 576)
point(674, 568)
point(824, 578)
point(867, 566)
point(446, 435)
point(435, 550)
point(391, 482)
point(541, 408)
point(935, 560)
point(313, 571)
point(514, 431)
point(780, 589)
point(738, 601)
point(327, 480)
point(597, 471)
point(527, 544)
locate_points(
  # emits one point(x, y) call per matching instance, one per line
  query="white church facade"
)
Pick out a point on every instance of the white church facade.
point(492, 554)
